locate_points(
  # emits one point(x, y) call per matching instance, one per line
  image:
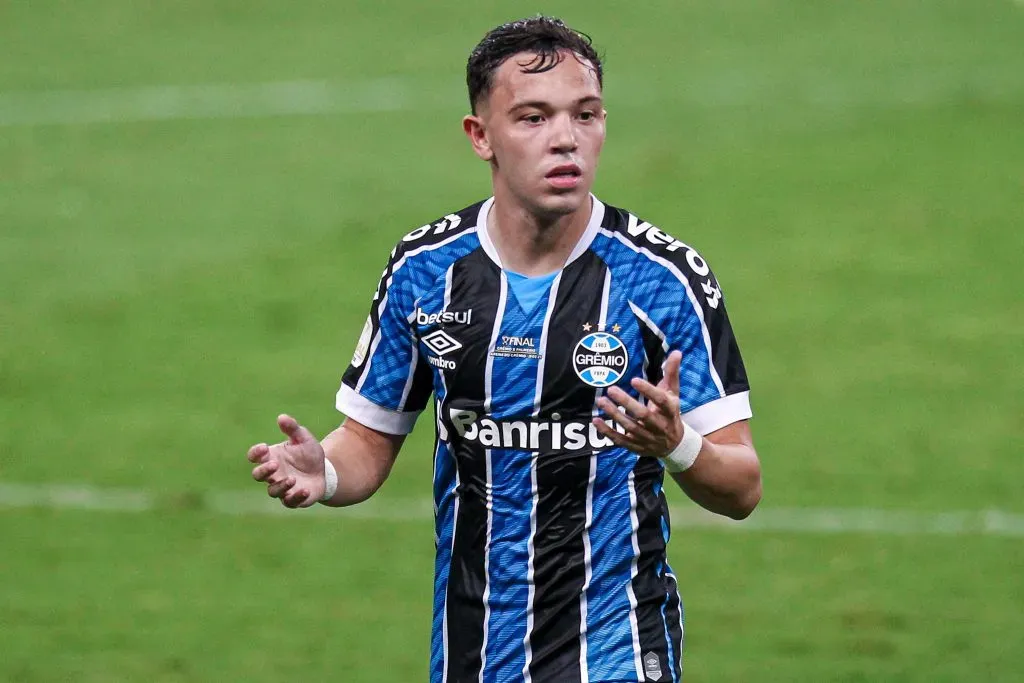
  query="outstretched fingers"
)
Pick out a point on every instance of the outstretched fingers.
point(296, 433)
point(670, 381)
point(274, 467)
point(288, 425)
point(279, 489)
point(295, 498)
point(632, 426)
point(666, 394)
point(617, 438)
point(258, 453)
point(263, 472)
point(667, 402)
point(636, 409)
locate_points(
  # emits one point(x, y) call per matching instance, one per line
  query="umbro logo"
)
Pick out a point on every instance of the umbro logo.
point(441, 343)
point(652, 666)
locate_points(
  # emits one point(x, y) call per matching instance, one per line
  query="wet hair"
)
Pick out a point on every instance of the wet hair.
point(543, 37)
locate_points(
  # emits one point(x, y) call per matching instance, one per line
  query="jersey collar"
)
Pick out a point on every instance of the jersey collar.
point(596, 216)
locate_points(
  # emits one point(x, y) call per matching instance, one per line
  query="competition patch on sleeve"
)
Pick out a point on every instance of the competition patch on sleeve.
point(363, 345)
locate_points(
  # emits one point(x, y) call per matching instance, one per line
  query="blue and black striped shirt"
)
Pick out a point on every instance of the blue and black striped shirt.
point(551, 563)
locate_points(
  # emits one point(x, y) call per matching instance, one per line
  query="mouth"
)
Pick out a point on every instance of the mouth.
point(565, 176)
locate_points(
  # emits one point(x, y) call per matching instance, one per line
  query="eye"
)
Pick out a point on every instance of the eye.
point(587, 115)
point(532, 118)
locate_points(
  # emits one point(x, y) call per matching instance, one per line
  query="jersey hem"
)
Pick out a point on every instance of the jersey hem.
point(366, 412)
point(719, 413)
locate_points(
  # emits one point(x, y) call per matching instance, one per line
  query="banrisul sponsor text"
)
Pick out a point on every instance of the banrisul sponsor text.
point(527, 435)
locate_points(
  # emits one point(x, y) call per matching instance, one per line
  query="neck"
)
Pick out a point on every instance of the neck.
point(532, 245)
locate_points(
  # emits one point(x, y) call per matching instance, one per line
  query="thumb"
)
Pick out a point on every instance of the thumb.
point(296, 433)
point(670, 380)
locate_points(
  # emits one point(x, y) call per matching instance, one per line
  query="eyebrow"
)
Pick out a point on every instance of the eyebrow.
point(539, 104)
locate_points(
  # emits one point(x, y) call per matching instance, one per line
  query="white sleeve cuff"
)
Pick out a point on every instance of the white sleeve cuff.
point(719, 413)
point(366, 412)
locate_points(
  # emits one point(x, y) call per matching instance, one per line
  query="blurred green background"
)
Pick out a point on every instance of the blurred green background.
point(197, 198)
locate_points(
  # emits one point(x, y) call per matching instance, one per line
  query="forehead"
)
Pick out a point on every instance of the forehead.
point(571, 79)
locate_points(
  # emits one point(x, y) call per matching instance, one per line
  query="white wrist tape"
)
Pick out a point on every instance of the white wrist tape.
point(685, 454)
point(331, 478)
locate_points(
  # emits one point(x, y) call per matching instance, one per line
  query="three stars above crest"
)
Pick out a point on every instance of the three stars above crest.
point(587, 327)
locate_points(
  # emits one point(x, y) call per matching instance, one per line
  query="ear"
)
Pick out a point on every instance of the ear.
point(476, 131)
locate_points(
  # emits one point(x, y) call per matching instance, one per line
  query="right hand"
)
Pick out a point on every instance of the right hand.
point(294, 469)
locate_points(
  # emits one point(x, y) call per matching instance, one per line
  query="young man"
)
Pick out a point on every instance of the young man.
point(575, 353)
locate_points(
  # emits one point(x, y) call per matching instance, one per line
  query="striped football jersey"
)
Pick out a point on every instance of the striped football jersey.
point(550, 541)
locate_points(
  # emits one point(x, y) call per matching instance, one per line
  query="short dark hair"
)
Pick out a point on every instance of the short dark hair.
point(541, 36)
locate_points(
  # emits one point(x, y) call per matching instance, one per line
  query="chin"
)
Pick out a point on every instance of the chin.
point(563, 204)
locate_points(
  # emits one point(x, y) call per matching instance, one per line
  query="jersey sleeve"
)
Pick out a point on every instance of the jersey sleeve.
point(689, 315)
point(386, 386)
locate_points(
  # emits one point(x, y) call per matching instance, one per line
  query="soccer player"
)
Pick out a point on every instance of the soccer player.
point(575, 353)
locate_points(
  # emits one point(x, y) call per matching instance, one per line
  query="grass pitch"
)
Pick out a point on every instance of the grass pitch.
point(173, 279)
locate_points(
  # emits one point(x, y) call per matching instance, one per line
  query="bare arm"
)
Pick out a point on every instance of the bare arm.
point(726, 476)
point(363, 458)
point(293, 470)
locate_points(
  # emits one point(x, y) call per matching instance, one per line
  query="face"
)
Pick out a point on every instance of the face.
point(542, 134)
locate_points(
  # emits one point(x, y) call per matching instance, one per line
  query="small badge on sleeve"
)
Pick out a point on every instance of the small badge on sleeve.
point(363, 345)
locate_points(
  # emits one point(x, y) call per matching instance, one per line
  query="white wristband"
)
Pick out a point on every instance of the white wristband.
point(331, 479)
point(685, 454)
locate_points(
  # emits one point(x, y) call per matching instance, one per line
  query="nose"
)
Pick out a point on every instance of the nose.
point(563, 135)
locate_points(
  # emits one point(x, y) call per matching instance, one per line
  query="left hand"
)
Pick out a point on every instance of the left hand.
point(654, 429)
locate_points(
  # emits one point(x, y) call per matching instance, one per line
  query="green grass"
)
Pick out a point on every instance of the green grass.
point(215, 600)
point(854, 173)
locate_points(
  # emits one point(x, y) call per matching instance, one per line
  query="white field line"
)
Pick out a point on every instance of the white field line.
point(227, 101)
point(255, 502)
point(306, 97)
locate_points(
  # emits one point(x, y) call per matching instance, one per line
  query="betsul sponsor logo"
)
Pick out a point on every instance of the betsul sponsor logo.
point(600, 359)
point(439, 341)
point(444, 317)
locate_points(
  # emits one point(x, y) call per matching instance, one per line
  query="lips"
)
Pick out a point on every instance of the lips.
point(565, 176)
point(565, 171)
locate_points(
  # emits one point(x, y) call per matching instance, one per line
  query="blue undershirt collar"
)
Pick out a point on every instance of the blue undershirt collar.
point(529, 290)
